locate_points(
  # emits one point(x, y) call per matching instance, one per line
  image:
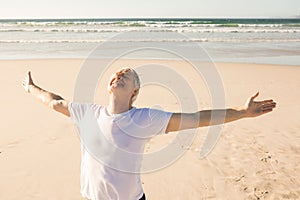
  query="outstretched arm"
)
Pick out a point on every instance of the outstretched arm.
point(50, 99)
point(181, 121)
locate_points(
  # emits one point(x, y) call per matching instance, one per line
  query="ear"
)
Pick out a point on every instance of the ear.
point(135, 92)
point(134, 95)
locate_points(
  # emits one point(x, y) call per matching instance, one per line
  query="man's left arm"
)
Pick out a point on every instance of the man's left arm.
point(182, 121)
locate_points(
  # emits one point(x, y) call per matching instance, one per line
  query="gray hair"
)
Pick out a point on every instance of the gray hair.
point(137, 82)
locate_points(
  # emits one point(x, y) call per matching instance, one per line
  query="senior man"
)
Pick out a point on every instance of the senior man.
point(120, 125)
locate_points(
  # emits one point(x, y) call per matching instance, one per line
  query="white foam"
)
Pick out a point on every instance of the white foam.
point(234, 40)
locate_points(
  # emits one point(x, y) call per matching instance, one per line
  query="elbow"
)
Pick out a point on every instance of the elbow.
point(60, 106)
point(50, 100)
point(53, 104)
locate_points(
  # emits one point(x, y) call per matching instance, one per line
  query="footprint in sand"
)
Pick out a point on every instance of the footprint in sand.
point(267, 158)
point(259, 194)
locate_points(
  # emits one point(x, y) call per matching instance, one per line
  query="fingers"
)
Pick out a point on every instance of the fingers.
point(267, 101)
point(268, 104)
point(25, 84)
point(26, 81)
point(267, 111)
point(268, 107)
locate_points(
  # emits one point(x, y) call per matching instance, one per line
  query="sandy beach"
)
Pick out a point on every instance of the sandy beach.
point(253, 158)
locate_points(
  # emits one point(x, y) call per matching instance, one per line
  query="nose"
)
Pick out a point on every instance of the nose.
point(117, 76)
point(120, 74)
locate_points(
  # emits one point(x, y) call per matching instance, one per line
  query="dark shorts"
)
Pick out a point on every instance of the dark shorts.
point(143, 197)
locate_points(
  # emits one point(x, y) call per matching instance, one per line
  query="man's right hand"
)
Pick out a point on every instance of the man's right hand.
point(27, 82)
point(50, 99)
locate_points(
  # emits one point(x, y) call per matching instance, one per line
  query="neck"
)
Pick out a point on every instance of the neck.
point(118, 105)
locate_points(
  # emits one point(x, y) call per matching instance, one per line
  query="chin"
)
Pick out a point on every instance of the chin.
point(112, 89)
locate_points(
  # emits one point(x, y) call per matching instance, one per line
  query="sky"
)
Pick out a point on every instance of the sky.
point(16, 9)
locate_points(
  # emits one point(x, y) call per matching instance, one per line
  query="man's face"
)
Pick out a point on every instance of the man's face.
point(122, 81)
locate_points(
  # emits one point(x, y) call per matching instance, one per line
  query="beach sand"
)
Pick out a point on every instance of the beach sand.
point(253, 158)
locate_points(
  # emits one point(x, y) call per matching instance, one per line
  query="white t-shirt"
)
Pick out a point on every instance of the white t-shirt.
point(112, 148)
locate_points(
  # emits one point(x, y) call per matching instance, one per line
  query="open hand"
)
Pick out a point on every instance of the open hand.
point(257, 108)
point(27, 82)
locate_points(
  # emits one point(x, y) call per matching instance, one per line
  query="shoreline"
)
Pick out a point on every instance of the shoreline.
point(144, 59)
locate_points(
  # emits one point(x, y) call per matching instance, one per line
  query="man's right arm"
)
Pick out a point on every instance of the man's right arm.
point(50, 99)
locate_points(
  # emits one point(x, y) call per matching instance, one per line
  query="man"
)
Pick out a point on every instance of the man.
point(109, 131)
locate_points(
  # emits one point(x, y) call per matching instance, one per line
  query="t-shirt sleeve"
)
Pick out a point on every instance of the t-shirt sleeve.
point(77, 111)
point(158, 119)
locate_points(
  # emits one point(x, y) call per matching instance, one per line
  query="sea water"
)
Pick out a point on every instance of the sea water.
point(268, 41)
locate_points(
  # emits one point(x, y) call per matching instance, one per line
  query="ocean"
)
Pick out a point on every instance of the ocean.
point(267, 41)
